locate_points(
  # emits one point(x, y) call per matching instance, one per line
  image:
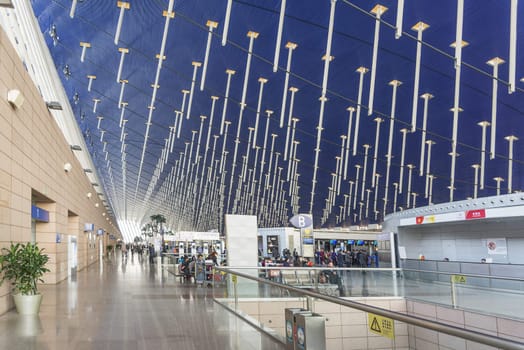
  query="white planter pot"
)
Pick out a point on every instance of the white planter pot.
point(28, 304)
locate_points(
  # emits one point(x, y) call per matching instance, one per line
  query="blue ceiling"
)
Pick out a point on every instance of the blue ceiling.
point(189, 200)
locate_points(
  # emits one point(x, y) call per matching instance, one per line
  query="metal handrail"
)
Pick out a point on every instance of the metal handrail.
point(413, 320)
point(467, 275)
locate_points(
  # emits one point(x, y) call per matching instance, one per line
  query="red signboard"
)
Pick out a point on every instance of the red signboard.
point(475, 214)
point(419, 220)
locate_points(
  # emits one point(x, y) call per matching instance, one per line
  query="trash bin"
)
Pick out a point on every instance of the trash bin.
point(291, 328)
point(311, 331)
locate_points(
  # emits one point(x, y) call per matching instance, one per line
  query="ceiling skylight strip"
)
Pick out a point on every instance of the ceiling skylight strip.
point(211, 25)
point(419, 27)
point(229, 73)
point(512, 46)
point(279, 36)
point(323, 99)
point(378, 10)
point(426, 97)
point(494, 62)
point(226, 22)
point(456, 108)
point(123, 6)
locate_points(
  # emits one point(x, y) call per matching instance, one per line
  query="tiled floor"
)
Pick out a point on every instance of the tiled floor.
point(129, 306)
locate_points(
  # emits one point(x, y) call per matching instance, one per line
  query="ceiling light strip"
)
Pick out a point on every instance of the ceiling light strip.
point(400, 15)
point(351, 110)
point(123, 6)
point(193, 81)
point(494, 62)
point(322, 99)
point(511, 139)
point(404, 132)
point(211, 25)
point(379, 121)
point(458, 59)
point(290, 46)
point(378, 10)
point(429, 177)
point(426, 97)
point(151, 107)
point(182, 110)
point(73, 8)
point(419, 27)
point(290, 116)
point(229, 73)
point(364, 170)
point(279, 35)
point(123, 52)
point(512, 46)
point(226, 22)
point(361, 70)
point(262, 81)
point(483, 125)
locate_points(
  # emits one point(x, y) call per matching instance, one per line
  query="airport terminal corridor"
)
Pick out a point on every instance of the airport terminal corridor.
point(129, 304)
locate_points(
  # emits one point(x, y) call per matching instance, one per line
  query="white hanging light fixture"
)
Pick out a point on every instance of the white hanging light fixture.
point(327, 58)
point(290, 46)
point(378, 11)
point(494, 62)
point(211, 25)
point(426, 97)
point(361, 71)
point(262, 81)
point(123, 51)
point(511, 139)
point(279, 35)
point(123, 6)
point(229, 73)
point(483, 124)
point(419, 28)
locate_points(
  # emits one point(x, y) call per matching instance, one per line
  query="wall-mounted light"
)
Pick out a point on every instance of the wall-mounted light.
point(89, 194)
point(68, 167)
point(6, 3)
point(15, 98)
point(96, 205)
point(88, 171)
point(94, 184)
point(55, 105)
point(75, 148)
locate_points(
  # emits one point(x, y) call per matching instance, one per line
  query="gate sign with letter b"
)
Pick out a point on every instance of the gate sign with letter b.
point(301, 221)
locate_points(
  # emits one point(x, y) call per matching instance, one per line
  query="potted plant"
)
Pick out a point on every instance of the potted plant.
point(23, 264)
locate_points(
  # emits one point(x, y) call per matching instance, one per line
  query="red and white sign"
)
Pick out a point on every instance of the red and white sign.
point(476, 214)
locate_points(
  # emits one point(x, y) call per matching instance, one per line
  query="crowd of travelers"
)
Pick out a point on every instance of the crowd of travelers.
point(336, 258)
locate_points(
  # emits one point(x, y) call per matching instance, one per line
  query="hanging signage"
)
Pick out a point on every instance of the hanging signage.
point(301, 220)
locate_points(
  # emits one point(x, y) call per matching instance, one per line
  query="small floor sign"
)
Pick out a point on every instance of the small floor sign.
point(381, 325)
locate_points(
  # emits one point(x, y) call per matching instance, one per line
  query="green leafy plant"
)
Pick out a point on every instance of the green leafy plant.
point(23, 264)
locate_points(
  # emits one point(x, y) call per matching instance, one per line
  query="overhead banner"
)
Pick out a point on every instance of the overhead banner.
point(305, 223)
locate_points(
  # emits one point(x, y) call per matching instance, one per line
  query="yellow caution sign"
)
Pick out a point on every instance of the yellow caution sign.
point(381, 325)
point(234, 278)
point(458, 279)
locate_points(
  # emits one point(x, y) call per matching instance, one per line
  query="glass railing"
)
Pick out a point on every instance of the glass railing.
point(460, 291)
point(358, 305)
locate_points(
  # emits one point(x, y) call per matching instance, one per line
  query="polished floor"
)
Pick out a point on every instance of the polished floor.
point(129, 305)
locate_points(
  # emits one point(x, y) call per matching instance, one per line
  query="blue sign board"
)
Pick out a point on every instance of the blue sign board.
point(39, 214)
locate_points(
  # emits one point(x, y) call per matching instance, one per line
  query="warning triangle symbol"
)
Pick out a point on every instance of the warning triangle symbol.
point(374, 325)
point(462, 279)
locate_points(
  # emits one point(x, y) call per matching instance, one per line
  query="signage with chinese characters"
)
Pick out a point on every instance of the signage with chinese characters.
point(381, 325)
point(476, 214)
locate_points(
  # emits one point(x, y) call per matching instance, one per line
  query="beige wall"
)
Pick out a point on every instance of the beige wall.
point(32, 156)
